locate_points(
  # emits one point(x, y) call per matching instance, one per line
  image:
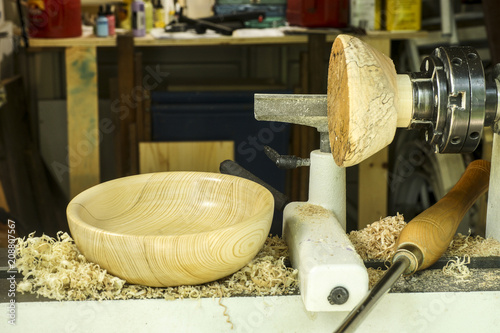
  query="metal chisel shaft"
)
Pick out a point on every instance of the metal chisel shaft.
point(358, 314)
point(424, 240)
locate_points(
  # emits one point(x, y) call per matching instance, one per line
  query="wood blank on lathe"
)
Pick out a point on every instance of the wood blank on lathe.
point(363, 100)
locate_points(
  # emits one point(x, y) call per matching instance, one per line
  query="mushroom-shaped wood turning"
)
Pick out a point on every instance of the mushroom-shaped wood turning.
point(367, 100)
point(172, 228)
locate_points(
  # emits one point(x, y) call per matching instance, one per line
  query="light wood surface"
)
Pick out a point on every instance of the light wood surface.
point(172, 228)
point(184, 156)
point(362, 97)
point(151, 41)
point(222, 40)
point(373, 188)
point(432, 230)
point(83, 118)
point(367, 100)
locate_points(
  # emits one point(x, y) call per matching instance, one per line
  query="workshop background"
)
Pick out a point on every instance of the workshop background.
point(199, 98)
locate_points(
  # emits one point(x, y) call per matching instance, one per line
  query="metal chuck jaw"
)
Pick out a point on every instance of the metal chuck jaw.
point(452, 100)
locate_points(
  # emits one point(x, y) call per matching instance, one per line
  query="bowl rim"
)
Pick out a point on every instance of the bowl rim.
point(77, 220)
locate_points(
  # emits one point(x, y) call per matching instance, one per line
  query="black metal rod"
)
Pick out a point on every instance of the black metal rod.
point(359, 313)
point(229, 167)
point(24, 34)
point(285, 161)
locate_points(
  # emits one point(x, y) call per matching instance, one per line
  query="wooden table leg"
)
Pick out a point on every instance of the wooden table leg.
point(373, 172)
point(83, 118)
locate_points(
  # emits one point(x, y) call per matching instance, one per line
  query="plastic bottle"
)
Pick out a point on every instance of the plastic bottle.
point(138, 19)
point(159, 15)
point(148, 11)
point(111, 20)
point(101, 23)
point(170, 9)
point(125, 15)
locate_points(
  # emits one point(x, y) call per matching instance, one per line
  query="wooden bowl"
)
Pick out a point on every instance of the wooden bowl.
point(171, 228)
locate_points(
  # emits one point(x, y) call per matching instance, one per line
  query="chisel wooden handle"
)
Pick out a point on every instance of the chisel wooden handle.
point(431, 232)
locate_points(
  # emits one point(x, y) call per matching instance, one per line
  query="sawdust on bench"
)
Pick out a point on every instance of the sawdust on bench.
point(308, 210)
point(378, 239)
point(378, 242)
point(56, 269)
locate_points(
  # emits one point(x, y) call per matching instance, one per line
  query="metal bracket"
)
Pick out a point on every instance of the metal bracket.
point(308, 110)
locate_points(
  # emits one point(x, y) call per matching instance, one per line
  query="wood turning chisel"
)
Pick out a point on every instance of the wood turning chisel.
point(425, 238)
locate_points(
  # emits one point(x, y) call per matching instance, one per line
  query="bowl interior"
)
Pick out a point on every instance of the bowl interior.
point(169, 203)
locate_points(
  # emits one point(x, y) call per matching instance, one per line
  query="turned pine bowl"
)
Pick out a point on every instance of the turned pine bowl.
point(171, 228)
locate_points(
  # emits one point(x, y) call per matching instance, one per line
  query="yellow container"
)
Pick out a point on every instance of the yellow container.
point(403, 15)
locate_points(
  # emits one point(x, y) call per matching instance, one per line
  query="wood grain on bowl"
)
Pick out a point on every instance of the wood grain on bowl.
point(171, 228)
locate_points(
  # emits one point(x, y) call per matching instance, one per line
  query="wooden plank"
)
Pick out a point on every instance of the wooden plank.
point(83, 118)
point(184, 156)
point(150, 41)
point(372, 196)
point(219, 40)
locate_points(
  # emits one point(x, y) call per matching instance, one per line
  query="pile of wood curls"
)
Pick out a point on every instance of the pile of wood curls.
point(55, 268)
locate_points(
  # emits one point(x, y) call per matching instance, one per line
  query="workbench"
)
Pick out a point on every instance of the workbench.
point(409, 307)
point(82, 100)
point(410, 313)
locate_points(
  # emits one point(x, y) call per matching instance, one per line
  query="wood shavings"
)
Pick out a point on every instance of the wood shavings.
point(457, 268)
point(489, 279)
point(54, 268)
point(378, 240)
point(374, 275)
point(228, 319)
point(473, 246)
point(490, 276)
point(308, 210)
